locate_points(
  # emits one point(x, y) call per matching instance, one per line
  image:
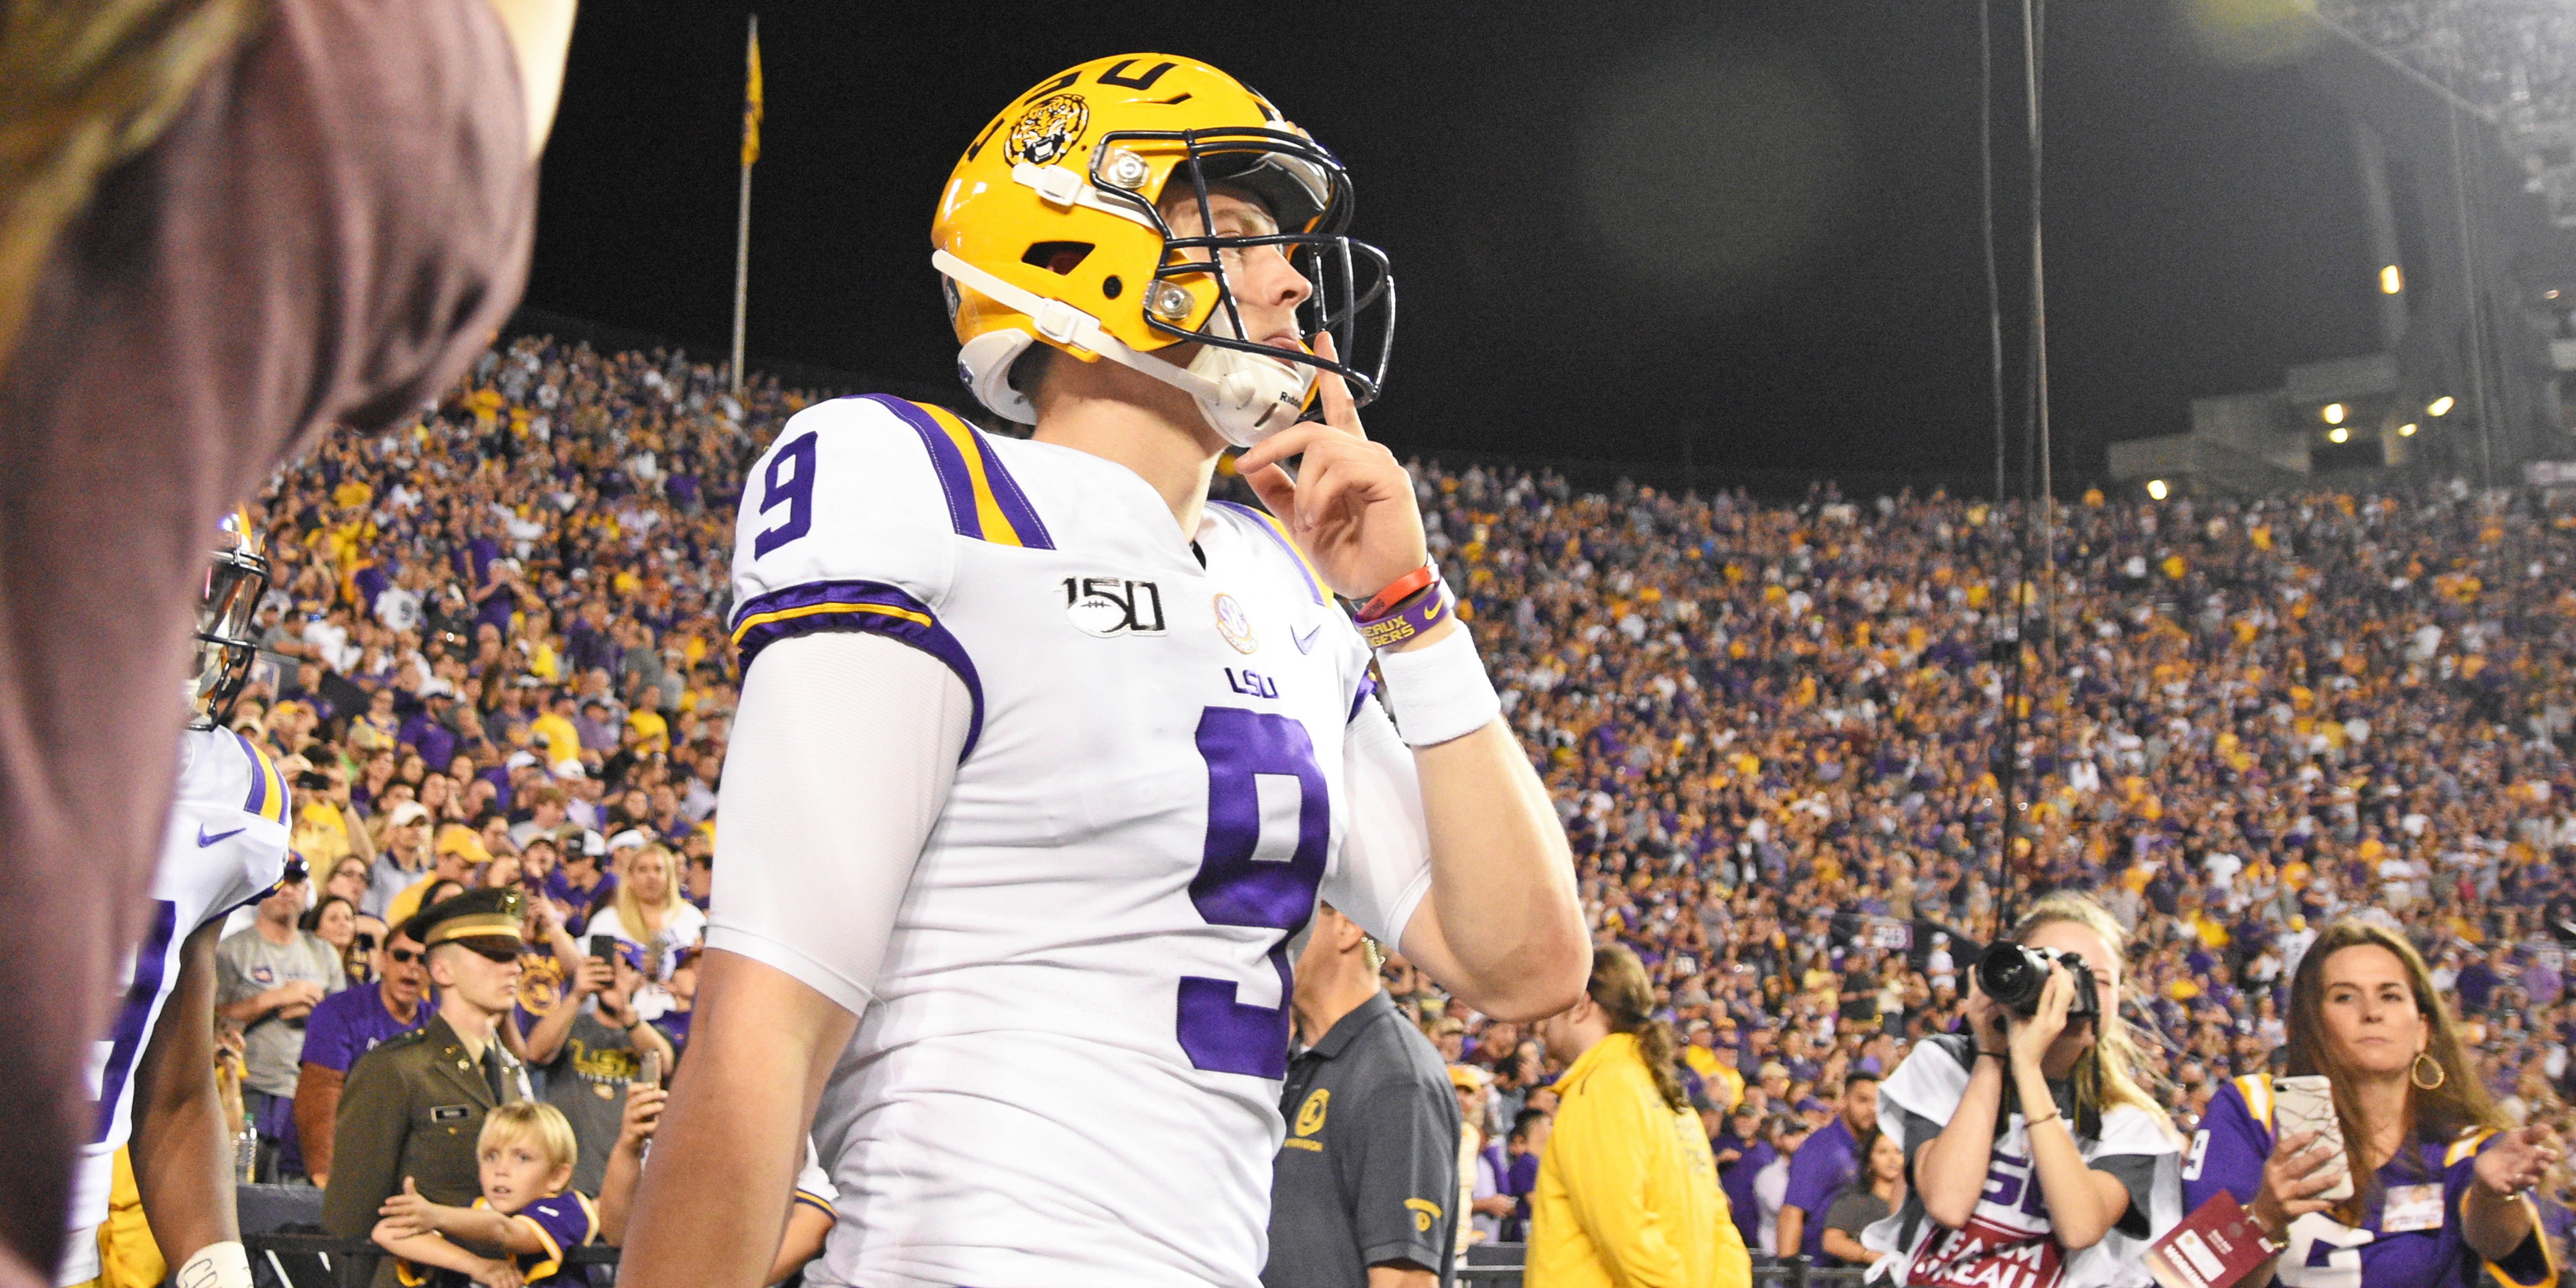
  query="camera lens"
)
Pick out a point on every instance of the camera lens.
point(2012, 975)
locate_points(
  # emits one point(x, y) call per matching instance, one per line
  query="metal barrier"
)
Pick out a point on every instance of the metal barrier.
point(1800, 1272)
point(1501, 1266)
point(299, 1260)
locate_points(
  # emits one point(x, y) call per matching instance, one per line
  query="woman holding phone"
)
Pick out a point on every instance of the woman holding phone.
point(2434, 1185)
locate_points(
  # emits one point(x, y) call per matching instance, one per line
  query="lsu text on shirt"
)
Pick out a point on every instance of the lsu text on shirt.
point(2009, 1240)
point(1067, 1070)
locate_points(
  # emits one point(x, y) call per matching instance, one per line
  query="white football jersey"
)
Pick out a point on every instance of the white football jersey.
point(1069, 1072)
point(226, 846)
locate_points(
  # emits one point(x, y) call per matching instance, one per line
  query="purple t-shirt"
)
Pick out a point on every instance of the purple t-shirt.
point(1742, 1203)
point(1817, 1172)
point(352, 1022)
point(2228, 1154)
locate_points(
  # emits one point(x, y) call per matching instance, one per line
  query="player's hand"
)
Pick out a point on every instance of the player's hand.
point(409, 1213)
point(1351, 510)
point(644, 1103)
point(2518, 1160)
point(2301, 1167)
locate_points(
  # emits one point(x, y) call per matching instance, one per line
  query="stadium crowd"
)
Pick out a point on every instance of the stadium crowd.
point(1775, 733)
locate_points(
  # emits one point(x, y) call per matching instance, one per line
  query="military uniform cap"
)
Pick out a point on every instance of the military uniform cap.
point(475, 914)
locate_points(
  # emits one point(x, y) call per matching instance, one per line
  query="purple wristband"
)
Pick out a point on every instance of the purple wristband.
point(1428, 607)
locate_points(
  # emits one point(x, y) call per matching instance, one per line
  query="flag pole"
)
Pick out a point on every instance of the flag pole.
point(751, 113)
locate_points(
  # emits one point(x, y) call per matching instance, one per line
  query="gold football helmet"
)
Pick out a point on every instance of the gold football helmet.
point(236, 577)
point(1049, 231)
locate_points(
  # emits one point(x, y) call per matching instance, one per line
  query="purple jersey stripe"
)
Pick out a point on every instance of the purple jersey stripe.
point(1368, 685)
point(1268, 529)
point(944, 459)
point(857, 606)
point(257, 802)
point(1014, 503)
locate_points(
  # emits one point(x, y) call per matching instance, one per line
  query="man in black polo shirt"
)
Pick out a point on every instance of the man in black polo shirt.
point(1366, 1185)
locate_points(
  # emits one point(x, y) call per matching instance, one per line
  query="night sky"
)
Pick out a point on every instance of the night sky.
point(1621, 231)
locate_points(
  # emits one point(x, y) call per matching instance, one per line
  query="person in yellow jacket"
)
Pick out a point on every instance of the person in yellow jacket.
point(1627, 1189)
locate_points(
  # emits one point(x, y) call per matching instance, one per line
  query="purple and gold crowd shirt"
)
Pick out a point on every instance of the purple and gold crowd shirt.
point(352, 1022)
point(2410, 1232)
point(565, 1220)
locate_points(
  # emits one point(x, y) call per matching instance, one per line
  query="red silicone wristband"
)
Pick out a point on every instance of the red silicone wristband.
point(1397, 591)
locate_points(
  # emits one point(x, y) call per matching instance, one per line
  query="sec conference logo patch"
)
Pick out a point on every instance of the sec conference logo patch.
point(1235, 624)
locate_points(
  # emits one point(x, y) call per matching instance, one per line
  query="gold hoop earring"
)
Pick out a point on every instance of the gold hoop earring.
point(2415, 1073)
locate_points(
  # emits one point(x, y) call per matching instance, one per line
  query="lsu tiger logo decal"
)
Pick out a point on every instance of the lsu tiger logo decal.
point(1048, 131)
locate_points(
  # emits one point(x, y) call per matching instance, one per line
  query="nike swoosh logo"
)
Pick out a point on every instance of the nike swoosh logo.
point(204, 840)
point(1306, 642)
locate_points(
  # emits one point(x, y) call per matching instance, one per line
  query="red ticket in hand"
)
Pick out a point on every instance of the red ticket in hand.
point(2214, 1247)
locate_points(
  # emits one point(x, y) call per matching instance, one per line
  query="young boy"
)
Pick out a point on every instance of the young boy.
point(526, 1153)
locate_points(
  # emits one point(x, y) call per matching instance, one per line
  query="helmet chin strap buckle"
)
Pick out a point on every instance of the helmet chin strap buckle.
point(1240, 394)
point(1060, 322)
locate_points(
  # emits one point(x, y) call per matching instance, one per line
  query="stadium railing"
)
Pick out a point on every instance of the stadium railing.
point(280, 1228)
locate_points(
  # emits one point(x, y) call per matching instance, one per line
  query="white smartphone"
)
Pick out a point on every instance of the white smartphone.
point(2306, 1103)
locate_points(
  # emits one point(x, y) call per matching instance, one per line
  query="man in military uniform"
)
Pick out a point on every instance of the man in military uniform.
point(412, 1108)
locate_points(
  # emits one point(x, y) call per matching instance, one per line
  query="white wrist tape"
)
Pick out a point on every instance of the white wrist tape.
point(1438, 691)
point(216, 1265)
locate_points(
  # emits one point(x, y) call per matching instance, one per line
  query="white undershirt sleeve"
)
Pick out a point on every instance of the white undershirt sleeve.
point(1385, 865)
point(842, 755)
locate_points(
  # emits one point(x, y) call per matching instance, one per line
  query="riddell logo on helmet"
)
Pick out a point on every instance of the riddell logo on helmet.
point(1049, 130)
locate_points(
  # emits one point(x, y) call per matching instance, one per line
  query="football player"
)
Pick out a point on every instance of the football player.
point(153, 1075)
point(1043, 757)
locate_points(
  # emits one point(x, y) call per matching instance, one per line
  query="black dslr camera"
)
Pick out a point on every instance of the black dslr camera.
point(2013, 974)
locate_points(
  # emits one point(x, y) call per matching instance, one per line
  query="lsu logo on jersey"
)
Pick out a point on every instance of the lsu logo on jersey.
point(1108, 607)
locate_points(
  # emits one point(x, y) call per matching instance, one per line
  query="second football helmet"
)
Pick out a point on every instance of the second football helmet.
point(1050, 230)
point(236, 577)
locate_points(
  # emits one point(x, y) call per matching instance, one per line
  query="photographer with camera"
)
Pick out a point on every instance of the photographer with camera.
point(2399, 1170)
point(2055, 1168)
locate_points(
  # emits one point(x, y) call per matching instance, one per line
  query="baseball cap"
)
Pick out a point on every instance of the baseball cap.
point(407, 813)
point(630, 839)
point(1464, 1078)
point(457, 838)
point(569, 767)
point(519, 760)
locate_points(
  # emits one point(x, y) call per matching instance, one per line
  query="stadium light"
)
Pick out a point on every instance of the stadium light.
point(2391, 281)
point(2156, 488)
point(2334, 413)
point(2338, 434)
point(2441, 406)
point(2406, 430)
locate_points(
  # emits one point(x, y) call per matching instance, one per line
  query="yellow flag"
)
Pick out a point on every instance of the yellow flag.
point(751, 100)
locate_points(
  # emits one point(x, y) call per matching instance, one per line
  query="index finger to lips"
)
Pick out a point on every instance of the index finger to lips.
point(1339, 410)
